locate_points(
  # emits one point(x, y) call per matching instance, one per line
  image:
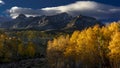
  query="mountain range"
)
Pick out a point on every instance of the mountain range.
point(60, 21)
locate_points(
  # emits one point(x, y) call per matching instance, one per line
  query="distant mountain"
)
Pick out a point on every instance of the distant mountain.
point(60, 21)
point(80, 22)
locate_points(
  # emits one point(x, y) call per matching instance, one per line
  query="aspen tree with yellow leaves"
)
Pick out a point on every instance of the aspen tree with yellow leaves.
point(94, 47)
point(114, 47)
point(55, 51)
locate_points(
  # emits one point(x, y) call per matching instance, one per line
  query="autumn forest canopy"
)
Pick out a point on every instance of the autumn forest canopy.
point(93, 47)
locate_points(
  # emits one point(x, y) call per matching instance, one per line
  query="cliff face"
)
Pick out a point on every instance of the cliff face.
point(54, 22)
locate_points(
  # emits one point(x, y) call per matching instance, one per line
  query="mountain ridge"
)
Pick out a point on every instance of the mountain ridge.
point(59, 21)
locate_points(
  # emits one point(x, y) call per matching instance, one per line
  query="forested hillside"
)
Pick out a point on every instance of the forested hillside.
point(94, 47)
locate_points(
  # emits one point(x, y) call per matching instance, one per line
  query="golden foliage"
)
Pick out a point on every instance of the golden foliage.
point(88, 45)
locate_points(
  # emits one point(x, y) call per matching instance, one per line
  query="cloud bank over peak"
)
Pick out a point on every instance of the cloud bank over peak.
point(80, 5)
point(15, 11)
point(88, 8)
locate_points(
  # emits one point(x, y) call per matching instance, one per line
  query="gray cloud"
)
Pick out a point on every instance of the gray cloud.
point(88, 8)
point(2, 2)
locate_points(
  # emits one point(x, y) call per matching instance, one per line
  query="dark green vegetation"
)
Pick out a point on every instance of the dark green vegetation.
point(19, 45)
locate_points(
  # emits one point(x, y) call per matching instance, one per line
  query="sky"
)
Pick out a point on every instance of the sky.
point(101, 9)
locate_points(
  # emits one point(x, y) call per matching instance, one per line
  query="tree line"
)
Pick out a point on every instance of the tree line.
point(15, 46)
point(93, 47)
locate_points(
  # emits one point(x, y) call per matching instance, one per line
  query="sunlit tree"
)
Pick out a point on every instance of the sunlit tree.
point(115, 50)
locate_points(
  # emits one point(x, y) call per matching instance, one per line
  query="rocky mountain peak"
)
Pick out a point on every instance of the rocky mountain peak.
point(21, 16)
point(56, 22)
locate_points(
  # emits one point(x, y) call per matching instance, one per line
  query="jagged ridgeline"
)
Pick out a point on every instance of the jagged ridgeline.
point(62, 21)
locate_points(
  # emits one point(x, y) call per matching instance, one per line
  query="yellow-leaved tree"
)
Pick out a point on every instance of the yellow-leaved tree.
point(55, 51)
point(94, 47)
point(115, 50)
